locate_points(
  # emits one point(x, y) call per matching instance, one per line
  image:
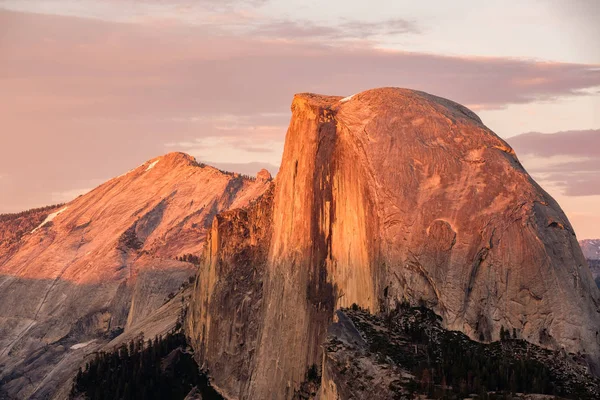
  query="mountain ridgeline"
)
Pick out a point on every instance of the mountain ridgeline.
point(399, 229)
point(591, 251)
point(76, 277)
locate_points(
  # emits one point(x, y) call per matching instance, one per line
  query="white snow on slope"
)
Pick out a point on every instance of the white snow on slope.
point(49, 218)
point(345, 99)
point(152, 165)
point(82, 345)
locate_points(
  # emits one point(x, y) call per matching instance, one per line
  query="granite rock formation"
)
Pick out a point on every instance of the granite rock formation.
point(385, 196)
point(75, 276)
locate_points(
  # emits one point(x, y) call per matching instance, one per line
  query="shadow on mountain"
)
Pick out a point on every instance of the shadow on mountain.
point(48, 327)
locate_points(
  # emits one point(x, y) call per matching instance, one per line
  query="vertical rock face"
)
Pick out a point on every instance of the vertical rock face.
point(393, 194)
point(227, 310)
point(102, 263)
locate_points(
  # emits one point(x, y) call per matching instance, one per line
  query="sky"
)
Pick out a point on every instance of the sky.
point(92, 88)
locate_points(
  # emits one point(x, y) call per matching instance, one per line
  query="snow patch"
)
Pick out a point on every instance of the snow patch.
point(49, 218)
point(345, 99)
point(152, 165)
point(82, 345)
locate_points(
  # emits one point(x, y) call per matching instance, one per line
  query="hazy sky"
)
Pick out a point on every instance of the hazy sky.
point(91, 88)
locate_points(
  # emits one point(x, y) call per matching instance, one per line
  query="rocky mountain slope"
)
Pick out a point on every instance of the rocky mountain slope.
point(389, 195)
point(591, 251)
point(590, 248)
point(407, 353)
point(14, 226)
point(78, 275)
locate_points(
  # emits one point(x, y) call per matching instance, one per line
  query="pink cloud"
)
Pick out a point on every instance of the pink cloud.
point(575, 143)
point(85, 99)
point(569, 160)
point(291, 29)
point(124, 69)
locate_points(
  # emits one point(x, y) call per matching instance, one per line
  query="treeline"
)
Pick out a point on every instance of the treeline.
point(13, 216)
point(189, 258)
point(14, 226)
point(162, 368)
point(229, 173)
point(448, 364)
point(468, 369)
point(461, 366)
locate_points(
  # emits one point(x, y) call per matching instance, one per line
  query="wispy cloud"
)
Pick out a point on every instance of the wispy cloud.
point(585, 143)
point(568, 160)
point(96, 69)
point(215, 149)
point(183, 11)
point(344, 30)
point(95, 98)
point(68, 195)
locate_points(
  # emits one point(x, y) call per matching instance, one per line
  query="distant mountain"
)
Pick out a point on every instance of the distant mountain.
point(591, 251)
point(251, 168)
point(75, 276)
point(590, 248)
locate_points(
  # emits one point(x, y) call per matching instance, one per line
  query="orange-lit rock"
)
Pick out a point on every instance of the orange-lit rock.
point(390, 194)
point(264, 175)
point(104, 262)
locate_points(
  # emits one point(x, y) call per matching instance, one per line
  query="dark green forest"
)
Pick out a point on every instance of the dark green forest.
point(157, 369)
point(444, 364)
point(447, 364)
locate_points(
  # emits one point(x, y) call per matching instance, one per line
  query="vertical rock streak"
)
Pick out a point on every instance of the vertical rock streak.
point(390, 195)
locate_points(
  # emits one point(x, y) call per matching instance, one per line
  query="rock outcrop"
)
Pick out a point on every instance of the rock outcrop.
point(385, 196)
point(264, 176)
point(77, 275)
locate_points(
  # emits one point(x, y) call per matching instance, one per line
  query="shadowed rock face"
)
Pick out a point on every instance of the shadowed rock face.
point(387, 195)
point(227, 311)
point(375, 357)
point(104, 263)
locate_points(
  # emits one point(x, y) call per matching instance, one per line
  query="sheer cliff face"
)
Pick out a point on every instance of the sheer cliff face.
point(227, 310)
point(103, 262)
point(394, 194)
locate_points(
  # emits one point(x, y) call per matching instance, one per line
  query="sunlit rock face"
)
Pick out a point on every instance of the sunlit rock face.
point(390, 194)
point(102, 263)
